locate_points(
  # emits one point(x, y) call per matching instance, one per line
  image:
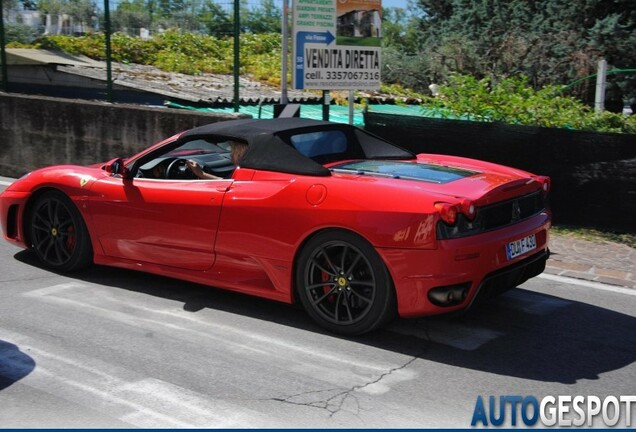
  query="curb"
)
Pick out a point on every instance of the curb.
point(594, 261)
point(591, 274)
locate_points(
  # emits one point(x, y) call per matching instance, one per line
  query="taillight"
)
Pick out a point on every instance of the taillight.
point(448, 212)
point(545, 183)
point(469, 209)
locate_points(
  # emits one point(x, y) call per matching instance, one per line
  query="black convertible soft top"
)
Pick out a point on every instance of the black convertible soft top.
point(269, 145)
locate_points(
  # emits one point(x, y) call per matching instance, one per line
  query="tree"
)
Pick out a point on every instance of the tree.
point(14, 28)
point(399, 29)
point(133, 14)
point(52, 7)
point(8, 5)
point(81, 10)
point(166, 8)
point(215, 19)
point(264, 19)
point(549, 41)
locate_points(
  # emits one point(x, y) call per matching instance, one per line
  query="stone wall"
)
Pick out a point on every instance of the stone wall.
point(40, 131)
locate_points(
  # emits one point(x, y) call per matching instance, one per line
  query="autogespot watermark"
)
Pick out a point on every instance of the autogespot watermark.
point(559, 411)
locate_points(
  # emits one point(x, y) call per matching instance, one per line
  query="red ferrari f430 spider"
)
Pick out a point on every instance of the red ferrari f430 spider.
point(356, 229)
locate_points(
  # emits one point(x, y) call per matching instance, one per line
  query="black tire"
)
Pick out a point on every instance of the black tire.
point(343, 283)
point(58, 233)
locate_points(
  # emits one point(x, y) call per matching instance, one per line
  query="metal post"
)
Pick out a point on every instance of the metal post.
point(601, 80)
point(109, 70)
point(285, 53)
point(351, 101)
point(326, 101)
point(151, 10)
point(3, 53)
point(237, 31)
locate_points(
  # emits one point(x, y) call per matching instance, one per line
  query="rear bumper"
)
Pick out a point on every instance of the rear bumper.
point(509, 277)
point(477, 265)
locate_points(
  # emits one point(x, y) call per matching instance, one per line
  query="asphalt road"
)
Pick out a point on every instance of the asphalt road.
point(115, 348)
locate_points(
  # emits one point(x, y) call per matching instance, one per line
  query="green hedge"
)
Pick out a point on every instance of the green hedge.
point(514, 101)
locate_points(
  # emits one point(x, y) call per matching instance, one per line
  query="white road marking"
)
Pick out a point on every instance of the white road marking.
point(300, 355)
point(126, 395)
point(179, 403)
point(5, 183)
point(47, 291)
point(589, 284)
point(102, 303)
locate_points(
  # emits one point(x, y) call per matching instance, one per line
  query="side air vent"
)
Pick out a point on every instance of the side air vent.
point(12, 222)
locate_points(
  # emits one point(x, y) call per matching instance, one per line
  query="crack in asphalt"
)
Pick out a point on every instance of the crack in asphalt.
point(336, 402)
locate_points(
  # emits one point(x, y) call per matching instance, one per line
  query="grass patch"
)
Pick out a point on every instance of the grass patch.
point(358, 41)
point(595, 235)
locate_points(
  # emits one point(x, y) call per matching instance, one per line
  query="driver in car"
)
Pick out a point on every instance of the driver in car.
point(159, 171)
point(237, 152)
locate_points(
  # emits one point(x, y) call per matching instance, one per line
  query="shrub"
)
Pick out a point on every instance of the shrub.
point(514, 101)
point(19, 34)
point(176, 51)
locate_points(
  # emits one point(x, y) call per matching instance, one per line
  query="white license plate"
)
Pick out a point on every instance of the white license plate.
point(521, 246)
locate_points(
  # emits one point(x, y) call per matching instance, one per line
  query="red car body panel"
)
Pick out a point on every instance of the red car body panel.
point(245, 233)
point(454, 262)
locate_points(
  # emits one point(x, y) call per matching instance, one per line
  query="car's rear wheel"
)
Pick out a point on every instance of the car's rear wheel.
point(343, 283)
point(58, 233)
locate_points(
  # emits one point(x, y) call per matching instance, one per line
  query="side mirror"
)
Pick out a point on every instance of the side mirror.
point(116, 167)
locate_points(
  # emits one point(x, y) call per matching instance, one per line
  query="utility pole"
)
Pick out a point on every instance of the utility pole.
point(601, 80)
point(3, 53)
point(109, 70)
point(285, 52)
point(237, 59)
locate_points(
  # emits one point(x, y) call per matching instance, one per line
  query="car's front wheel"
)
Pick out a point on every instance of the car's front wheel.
point(58, 233)
point(343, 283)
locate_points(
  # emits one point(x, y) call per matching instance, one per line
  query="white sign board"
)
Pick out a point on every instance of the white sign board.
point(336, 44)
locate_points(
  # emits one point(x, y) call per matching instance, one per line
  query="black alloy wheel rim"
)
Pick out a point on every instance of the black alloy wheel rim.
point(340, 283)
point(54, 232)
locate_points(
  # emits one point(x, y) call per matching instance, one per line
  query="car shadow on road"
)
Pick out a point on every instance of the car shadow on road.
point(520, 334)
point(14, 364)
point(577, 341)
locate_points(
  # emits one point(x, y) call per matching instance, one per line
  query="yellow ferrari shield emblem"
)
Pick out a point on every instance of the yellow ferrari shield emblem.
point(83, 181)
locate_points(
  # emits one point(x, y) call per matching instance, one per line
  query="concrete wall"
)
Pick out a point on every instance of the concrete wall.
point(40, 131)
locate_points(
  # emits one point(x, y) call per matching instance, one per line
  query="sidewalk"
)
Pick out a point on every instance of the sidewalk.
point(598, 261)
